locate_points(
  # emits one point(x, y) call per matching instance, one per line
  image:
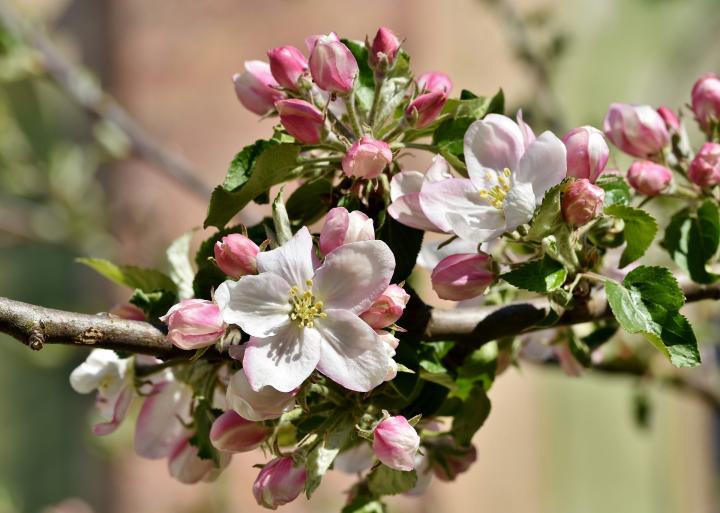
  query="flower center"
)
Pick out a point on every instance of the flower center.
point(304, 309)
point(105, 383)
point(495, 195)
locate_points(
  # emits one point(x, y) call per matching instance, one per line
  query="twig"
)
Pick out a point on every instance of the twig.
point(88, 95)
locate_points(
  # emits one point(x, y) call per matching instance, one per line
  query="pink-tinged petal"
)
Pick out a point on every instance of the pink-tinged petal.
point(120, 409)
point(519, 205)
point(408, 211)
point(486, 223)
point(438, 170)
point(455, 196)
point(543, 165)
point(528, 134)
point(258, 304)
point(185, 465)
point(493, 143)
point(292, 260)
point(407, 182)
point(336, 226)
point(232, 433)
point(354, 275)
point(282, 361)
point(158, 427)
point(352, 354)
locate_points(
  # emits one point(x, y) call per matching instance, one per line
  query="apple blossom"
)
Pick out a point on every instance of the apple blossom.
point(649, 178)
point(587, 152)
point(232, 433)
point(434, 81)
point(236, 255)
point(672, 122)
point(425, 109)
point(194, 323)
point(384, 47)
point(508, 179)
point(256, 88)
point(705, 167)
point(366, 158)
point(300, 319)
point(706, 100)
point(266, 403)
point(342, 227)
point(332, 65)
point(638, 130)
point(280, 481)
point(581, 202)
point(301, 119)
point(162, 419)
point(395, 443)
point(287, 65)
point(387, 308)
point(463, 276)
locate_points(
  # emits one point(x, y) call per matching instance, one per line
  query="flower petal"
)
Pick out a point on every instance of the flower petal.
point(492, 144)
point(292, 260)
point(438, 170)
point(543, 165)
point(407, 210)
point(120, 409)
point(457, 195)
point(485, 224)
point(158, 427)
point(351, 354)
point(407, 182)
point(258, 304)
point(282, 361)
point(519, 205)
point(354, 275)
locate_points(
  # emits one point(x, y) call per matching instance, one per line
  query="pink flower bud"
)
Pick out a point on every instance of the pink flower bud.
point(462, 276)
point(279, 482)
point(256, 88)
point(194, 323)
point(301, 119)
point(435, 82)
point(648, 178)
point(638, 130)
point(232, 433)
point(705, 167)
point(311, 41)
point(448, 459)
point(672, 122)
point(582, 202)
point(395, 443)
point(342, 227)
point(426, 108)
point(384, 47)
point(236, 255)
point(287, 65)
point(387, 308)
point(185, 465)
point(587, 152)
point(706, 100)
point(332, 65)
point(366, 158)
point(266, 403)
point(128, 311)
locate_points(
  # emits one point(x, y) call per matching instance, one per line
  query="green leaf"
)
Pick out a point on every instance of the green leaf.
point(364, 504)
point(617, 190)
point(281, 222)
point(365, 82)
point(203, 417)
point(181, 271)
point(548, 218)
point(472, 415)
point(479, 367)
point(648, 302)
point(310, 202)
point(253, 171)
point(148, 280)
point(322, 456)
point(154, 304)
point(675, 241)
point(436, 373)
point(703, 239)
point(543, 275)
point(640, 230)
point(405, 243)
point(386, 481)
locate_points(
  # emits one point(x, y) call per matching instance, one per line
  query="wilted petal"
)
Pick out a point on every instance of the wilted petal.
point(543, 165)
point(352, 354)
point(258, 304)
point(493, 143)
point(284, 360)
point(519, 205)
point(292, 260)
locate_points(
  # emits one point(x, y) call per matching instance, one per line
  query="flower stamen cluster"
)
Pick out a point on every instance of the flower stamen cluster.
point(304, 308)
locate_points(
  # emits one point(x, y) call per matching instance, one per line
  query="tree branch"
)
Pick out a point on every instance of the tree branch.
point(90, 97)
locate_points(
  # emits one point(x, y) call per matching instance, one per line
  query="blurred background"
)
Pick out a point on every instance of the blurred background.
point(69, 187)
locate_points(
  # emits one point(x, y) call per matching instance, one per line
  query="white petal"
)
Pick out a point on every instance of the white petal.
point(438, 170)
point(407, 210)
point(292, 260)
point(267, 403)
point(492, 144)
point(354, 275)
point(352, 354)
point(483, 225)
point(407, 182)
point(457, 195)
point(258, 304)
point(544, 164)
point(282, 361)
point(519, 205)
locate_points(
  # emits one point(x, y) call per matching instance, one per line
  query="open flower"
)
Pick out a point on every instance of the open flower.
point(509, 175)
point(300, 319)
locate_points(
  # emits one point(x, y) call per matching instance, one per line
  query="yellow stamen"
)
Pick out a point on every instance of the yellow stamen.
point(304, 309)
point(495, 195)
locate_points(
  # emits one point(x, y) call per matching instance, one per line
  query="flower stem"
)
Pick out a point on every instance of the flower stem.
point(352, 114)
point(379, 80)
point(420, 146)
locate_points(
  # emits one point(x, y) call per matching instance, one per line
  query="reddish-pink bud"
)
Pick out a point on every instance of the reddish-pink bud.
point(236, 255)
point(194, 323)
point(232, 433)
point(462, 276)
point(384, 47)
point(435, 82)
point(582, 202)
point(706, 100)
point(366, 158)
point(287, 65)
point(638, 130)
point(425, 109)
point(342, 227)
point(301, 119)
point(256, 88)
point(387, 308)
point(672, 122)
point(395, 443)
point(332, 65)
point(587, 152)
point(648, 178)
point(705, 167)
point(279, 482)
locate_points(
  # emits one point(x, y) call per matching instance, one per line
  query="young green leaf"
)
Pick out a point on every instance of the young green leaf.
point(640, 230)
point(147, 280)
point(365, 86)
point(617, 190)
point(386, 481)
point(703, 240)
point(181, 271)
point(548, 218)
point(472, 415)
point(322, 456)
point(203, 417)
point(310, 202)
point(541, 276)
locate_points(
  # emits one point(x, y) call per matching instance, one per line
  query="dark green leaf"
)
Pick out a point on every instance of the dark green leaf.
point(386, 481)
point(640, 230)
point(405, 243)
point(364, 504)
point(203, 417)
point(322, 456)
point(310, 202)
point(543, 275)
point(676, 237)
point(154, 304)
point(472, 415)
point(148, 280)
point(703, 240)
point(365, 86)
